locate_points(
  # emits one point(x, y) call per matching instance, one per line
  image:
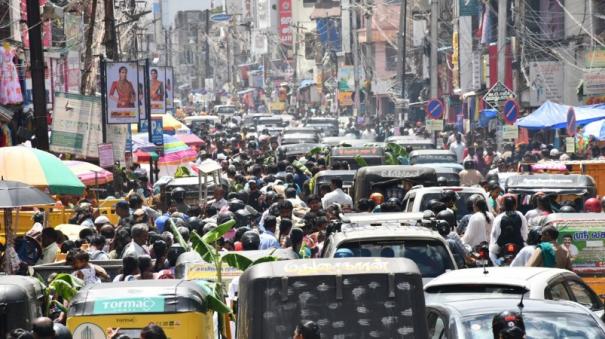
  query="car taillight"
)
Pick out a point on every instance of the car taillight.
point(511, 248)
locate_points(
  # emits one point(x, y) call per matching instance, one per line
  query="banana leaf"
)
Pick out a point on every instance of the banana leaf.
point(218, 232)
point(237, 260)
point(181, 172)
point(177, 235)
point(66, 286)
point(261, 260)
point(212, 300)
point(206, 251)
point(361, 162)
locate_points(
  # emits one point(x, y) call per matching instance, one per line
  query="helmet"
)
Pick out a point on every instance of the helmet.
point(436, 206)
point(567, 209)
point(468, 164)
point(508, 321)
point(428, 214)
point(443, 227)
point(442, 181)
point(178, 193)
point(447, 216)
point(195, 224)
point(534, 235)
point(61, 332)
point(592, 205)
point(448, 195)
point(236, 204)
point(377, 198)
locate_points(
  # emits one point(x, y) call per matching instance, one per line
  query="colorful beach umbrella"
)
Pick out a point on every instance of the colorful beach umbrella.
point(39, 169)
point(89, 174)
point(175, 152)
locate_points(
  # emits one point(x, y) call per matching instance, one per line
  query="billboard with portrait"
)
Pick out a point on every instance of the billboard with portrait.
point(121, 88)
point(157, 89)
point(169, 85)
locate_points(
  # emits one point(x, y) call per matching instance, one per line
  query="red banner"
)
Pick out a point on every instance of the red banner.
point(285, 19)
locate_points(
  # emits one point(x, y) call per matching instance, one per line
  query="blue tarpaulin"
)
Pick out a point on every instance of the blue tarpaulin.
point(487, 115)
point(553, 115)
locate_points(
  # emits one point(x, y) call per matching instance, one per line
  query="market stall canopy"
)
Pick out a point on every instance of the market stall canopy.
point(89, 174)
point(190, 139)
point(553, 115)
point(596, 129)
point(17, 194)
point(39, 169)
point(175, 152)
point(170, 124)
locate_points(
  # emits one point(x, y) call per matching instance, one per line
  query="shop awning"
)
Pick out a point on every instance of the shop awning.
point(553, 115)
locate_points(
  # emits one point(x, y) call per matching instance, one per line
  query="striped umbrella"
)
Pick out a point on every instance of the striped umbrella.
point(89, 174)
point(175, 151)
point(39, 169)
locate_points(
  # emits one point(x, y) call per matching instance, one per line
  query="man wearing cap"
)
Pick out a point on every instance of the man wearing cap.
point(100, 221)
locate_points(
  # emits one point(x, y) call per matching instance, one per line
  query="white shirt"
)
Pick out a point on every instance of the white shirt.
point(49, 254)
point(337, 196)
point(134, 249)
point(458, 148)
point(494, 249)
point(523, 256)
point(219, 204)
point(478, 229)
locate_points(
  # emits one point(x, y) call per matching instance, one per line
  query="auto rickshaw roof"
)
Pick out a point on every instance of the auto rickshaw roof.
point(396, 172)
point(335, 173)
point(328, 267)
point(298, 148)
point(15, 288)
point(140, 296)
point(549, 183)
point(362, 151)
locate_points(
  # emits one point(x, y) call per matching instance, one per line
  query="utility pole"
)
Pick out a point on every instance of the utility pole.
point(434, 47)
point(207, 45)
point(402, 44)
point(89, 41)
point(369, 51)
point(355, 52)
point(111, 43)
point(36, 52)
point(502, 19)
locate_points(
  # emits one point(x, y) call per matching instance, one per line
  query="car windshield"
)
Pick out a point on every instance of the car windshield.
point(431, 256)
point(461, 209)
point(433, 158)
point(539, 325)
point(442, 294)
point(226, 110)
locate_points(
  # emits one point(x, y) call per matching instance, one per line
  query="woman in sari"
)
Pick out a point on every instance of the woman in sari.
point(157, 87)
point(125, 96)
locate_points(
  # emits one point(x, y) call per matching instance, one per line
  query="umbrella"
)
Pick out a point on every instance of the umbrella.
point(190, 139)
point(17, 194)
point(596, 129)
point(175, 151)
point(39, 169)
point(89, 174)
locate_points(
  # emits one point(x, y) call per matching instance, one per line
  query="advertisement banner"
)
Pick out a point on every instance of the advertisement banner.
point(285, 19)
point(106, 159)
point(594, 81)
point(587, 245)
point(345, 99)
point(121, 92)
point(595, 58)
point(76, 127)
point(157, 77)
point(259, 43)
point(169, 88)
point(346, 78)
point(141, 88)
point(546, 82)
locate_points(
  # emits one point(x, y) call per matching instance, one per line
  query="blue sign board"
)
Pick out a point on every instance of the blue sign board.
point(511, 111)
point(435, 109)
point(157, 132)
point(220, 17)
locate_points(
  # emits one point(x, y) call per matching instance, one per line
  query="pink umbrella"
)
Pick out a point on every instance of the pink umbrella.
point(88, 173)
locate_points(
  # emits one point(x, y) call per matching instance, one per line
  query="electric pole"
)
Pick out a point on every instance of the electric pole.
point(502, 20)
point(110, 41)
point(434, 47)
point(89, 42)
point(355, 52)
point(402, 44)
point(369, 52)
point(36, 52)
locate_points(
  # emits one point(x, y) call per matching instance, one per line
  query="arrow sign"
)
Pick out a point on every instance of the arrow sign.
point(511, 111)
point(434, 109)
point(571, 122)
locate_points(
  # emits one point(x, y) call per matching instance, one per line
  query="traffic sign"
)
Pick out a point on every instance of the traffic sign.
point(499, 92)
point(511, 111)
point(434, 109)
point(220, 17)
point(571, 122)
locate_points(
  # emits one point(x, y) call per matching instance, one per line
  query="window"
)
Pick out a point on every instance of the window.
point(558, 292)
point(390, 54)
point(583, 295)
point(410, 205)
point(436, 325)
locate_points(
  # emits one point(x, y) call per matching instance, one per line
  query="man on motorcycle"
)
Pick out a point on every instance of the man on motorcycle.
point(509, 228)
point(446, 226)
point(533, 238)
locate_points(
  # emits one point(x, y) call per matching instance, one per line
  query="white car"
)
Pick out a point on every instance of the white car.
point(499, 282)
point(418, 198)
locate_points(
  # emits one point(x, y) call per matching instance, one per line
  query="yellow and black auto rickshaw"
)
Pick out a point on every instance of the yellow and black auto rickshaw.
point(178, 306)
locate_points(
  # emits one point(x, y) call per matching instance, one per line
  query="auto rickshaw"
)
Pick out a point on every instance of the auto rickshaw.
point(413, 142)
point(373, 156)
point(325, 177)
point(178, 306)
point(561, 187)
point(391, 180)
point(345, 297)
point(21, 301)
point(586, 232)
point(283, 152)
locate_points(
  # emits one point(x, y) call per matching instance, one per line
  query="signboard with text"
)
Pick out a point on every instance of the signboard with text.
point(498, 93)
point(285, 19)
point(434, 125)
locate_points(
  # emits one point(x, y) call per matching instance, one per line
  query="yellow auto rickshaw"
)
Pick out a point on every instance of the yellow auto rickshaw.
point(178, 306)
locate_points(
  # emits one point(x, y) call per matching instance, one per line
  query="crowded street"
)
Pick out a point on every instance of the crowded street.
point(255, 169)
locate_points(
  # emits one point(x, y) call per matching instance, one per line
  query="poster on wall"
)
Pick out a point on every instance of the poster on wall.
point(546, 82)
point(169, 88)
point(122, 92)
point(285, 20)
point(157, 77)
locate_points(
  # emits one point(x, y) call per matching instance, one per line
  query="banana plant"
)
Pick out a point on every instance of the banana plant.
point(395, 155)
point(64, 286)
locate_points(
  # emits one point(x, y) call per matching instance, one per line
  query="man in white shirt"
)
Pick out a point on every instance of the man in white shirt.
point(49, 246)
point(458, 147)
point(337, 196)
point(219, 198)
point(136, 247)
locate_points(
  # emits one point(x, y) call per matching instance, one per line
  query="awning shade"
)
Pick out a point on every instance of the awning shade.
point(553, 115)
